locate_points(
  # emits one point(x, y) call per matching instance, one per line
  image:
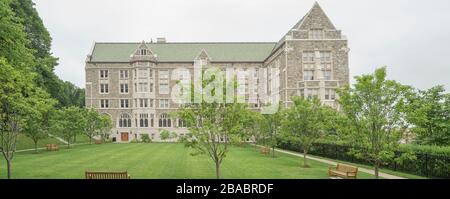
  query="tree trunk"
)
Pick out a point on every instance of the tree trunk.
point(217, 170)
point(376, 166)
point(90, 139)
point(273, 151)
point(8, 166)
point(35, 147)
point(305, 162)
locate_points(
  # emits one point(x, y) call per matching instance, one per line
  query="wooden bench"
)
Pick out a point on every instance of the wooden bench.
point(265, 150)
point(52, 147)
point(343, 171)
point(107, 175)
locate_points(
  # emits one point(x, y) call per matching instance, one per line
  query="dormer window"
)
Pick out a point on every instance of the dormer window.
point(143, 51)
point(316, 34)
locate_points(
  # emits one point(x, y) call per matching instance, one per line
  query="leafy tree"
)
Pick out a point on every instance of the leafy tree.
point(373, 107)
point(93, 123)
point(213, 121)
point(17, 95)
point(304, 123)
point(104, 127)
point(164, 135)
point(145, 138)
point(68, 123)
point(270, 127)
point(429, 113)
point(38, 120)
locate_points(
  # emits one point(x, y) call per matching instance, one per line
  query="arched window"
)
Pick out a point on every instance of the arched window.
point(181, 123)
point(125, 120)
point(143, 121)
point(164, 120)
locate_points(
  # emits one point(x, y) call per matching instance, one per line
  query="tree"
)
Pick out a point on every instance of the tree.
point(17, 94)
point(213, 121)
point(429, 113)
point(270, 126)
point(373, 107)
point(104, 127)
point(304, 123)
point(68, 123)
point(92, 123)
point(164, 135)
point(38, 120)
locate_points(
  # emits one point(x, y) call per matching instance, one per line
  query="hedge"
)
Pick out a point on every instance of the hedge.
point(431, 161)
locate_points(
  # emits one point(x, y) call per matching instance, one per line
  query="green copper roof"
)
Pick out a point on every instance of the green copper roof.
point(180, 52)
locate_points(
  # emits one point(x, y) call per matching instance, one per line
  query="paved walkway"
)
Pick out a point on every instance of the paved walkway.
point(58, 138)
point(369, 171)
point(42, 148)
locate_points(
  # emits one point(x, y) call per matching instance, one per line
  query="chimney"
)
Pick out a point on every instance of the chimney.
point(161, 40)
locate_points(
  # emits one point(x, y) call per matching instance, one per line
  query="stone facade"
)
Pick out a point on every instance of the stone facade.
point(312, 59)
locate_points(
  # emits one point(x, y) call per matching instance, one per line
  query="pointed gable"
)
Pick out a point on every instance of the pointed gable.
point(143, 53)
point(203, 55)
point(315, 19)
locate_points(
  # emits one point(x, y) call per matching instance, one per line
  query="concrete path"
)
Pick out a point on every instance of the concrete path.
point(58, 138)
point(42, 148)
point(369, 171)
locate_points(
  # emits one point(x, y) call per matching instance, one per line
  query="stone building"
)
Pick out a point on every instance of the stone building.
point(132, 82)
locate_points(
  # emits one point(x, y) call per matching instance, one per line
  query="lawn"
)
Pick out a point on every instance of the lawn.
point(160, 161)
point(24, 142)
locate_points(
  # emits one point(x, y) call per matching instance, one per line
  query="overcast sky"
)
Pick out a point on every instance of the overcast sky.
point(410, 37)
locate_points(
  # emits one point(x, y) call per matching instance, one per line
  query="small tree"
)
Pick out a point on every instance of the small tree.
point(270, 126)
point(18, 94)
point(164, 135)
point(105, 127)
point(372, 106)
point(429, 113)
point(68, 122)
point(303, 123)
point(91, 123)
point(38, 120)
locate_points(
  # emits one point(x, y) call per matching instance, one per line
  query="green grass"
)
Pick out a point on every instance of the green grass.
point(160, 161)
point(396, 173)
point(24, 142)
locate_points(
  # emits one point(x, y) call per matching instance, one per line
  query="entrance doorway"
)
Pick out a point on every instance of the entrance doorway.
point(124, 137)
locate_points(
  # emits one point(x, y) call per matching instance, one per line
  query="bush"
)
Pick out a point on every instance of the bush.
point(145, 138)
point(430, 161)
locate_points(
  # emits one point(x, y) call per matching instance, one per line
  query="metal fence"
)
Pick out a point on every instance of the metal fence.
point(428, 165)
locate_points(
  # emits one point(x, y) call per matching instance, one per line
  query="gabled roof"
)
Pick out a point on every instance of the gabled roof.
point(185, 52)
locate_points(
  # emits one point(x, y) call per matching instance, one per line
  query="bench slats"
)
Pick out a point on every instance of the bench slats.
point(344, 171)
point(107, 175)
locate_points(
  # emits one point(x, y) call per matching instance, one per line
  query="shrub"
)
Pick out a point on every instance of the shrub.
point(145, 138)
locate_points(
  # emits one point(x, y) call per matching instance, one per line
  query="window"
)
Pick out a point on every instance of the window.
point(104, 88)
point(330, 94)
point(123, 88)
point(124, 103)
point(103, 74)
point(163, 103)
point(308, 75)
point(151, 87)
point(310, 93)
point(123, 74)
point(142, 87)
point(125, 120)
point(152, 120)
point(325, 56)
point(143, 120)
point(308, 56)
point(164, 82)
point(316, 34)
point(164, 121)
point(104, 103)
point(181, 123)
point(143, 52)
point(143, 73)
point(143, 103)
point(327, 74)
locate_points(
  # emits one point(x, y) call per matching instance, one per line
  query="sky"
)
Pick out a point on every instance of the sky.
point(410, 37)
